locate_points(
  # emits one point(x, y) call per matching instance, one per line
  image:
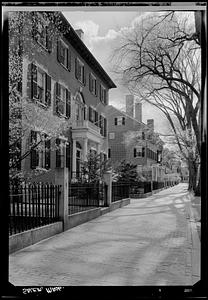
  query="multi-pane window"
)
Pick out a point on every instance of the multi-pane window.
point(92, 84)
point(93, 116)
point(63, 54)
point(139, 151)
point(40, 150)
point(40, 32)
point(79, 70)
point(103, 94)
point(119, 121)
point(63, 101)
point(40, 85)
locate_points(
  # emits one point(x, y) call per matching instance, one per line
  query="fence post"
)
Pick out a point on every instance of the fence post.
point(107, 176)
point(62, 178)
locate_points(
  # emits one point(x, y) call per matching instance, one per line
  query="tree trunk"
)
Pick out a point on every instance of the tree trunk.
point(192, 175)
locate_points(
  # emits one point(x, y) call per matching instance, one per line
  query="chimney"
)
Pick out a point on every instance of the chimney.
point(150, 124)
point(130, 105)
point(138, 111)
point(80, 33)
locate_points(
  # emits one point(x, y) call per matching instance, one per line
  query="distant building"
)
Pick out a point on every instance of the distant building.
point(129, 138)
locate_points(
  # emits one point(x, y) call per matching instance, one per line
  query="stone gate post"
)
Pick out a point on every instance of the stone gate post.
point(108, 180)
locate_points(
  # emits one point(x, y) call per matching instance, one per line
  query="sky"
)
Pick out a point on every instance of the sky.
point(101, 29)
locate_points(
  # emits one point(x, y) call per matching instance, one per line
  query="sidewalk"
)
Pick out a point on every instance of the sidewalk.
point(152, 241)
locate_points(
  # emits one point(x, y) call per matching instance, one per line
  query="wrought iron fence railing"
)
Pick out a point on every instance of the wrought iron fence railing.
point(84, 196)
point(32, 205)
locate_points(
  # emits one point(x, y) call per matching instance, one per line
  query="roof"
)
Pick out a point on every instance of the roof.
point(82, 49)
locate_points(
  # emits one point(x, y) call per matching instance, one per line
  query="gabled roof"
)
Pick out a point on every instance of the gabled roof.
point(82, 49)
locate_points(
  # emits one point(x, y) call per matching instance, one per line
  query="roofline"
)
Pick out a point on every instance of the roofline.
point(82, 49)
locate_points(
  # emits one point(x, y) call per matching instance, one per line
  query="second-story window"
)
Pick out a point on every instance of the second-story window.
point(63, 101)
point(103, 94)
point(119, 121)
point(93, 116)
point(80, 70)
point(40, 85)
point(92, 84)
point(63, 54)
point(139, 151)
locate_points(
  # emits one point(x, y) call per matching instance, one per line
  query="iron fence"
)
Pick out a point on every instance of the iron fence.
point(84, 196)
point(32, 205)
point(120, 191)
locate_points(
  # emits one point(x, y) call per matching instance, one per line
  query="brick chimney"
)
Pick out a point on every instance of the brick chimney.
point(150, 124)
point(80, 33)
point(138, 111)
point(130, 105)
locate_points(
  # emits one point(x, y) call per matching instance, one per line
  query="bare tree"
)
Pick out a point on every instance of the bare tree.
point(159, 61)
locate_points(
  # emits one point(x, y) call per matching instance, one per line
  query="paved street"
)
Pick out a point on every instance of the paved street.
point(152, 241)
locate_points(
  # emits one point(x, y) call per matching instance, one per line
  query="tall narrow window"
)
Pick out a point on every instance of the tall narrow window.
point(92, 84)
point(63, 101)
point(79, 70)
point(63, 54)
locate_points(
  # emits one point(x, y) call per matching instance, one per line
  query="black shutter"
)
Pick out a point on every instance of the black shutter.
point(95, 87)
point(90, 114)
point(104, 96)
point(68, 104)
point(59, 51)
point(57, 91)
point(123, 120)
point(34, 152)
point(100, 93)
point(135, 152)
point(116, 121)
point(34, 86)
point(84, 75)
point(105, 127)
point(96, 118)
point(68, 156)
point(47, 153)
point(90, 82)
point(47, 89)
point(76, 68)
point(109, 153)
point(68, 60)
point(58, 154)
point(143, 151)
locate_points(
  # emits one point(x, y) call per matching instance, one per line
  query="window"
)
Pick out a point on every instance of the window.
point(92, 84)
point(63, 101)
point(93, 116)
point(103, 126)
point(40, 150)
point(40, 32)
point(138, 151)
point(111, 135)
point(103, 94)
point(143, 135)
point(79, 70)
point(40, 87)
point(119, 121)
point(63, 55)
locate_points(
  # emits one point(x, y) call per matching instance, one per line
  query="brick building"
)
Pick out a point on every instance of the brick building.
point(62, 80)
point(129, 138)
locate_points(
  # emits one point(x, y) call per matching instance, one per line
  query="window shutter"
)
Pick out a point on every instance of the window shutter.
point(68, 60)
point(96, 87)
point(116, 121)
point(47, 154)
point(135, 152)
point(58, 154)
point(48, 89)
point(59, 51)
point(67, 156)
point(90, 114)
point(84, 75)
point(90, 82)
point(57, 95)
point(143, 151)
point(105, 127)
point(104, 96)
point(76, 68)
point(68, 103)
point(34, 88)
point(96, 118)
point(109, 153)
point(123, 120)
point(34, 152)
point(48, 40)
point(85, 113)
point(100, 93)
